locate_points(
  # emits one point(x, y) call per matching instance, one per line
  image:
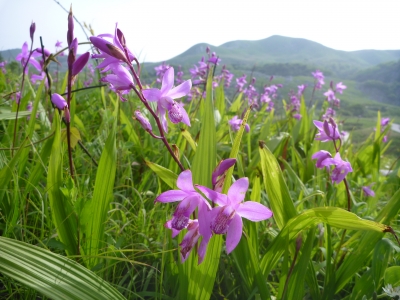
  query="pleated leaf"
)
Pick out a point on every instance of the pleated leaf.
point(53, 275)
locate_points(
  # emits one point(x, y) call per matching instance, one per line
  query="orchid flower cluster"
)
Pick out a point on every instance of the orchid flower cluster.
point(226, 218)
point(332, 99)
point(328, 131)
point(294, 107)
point(384, 123)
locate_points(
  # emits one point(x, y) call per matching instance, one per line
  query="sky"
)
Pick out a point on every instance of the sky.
point(158, 30)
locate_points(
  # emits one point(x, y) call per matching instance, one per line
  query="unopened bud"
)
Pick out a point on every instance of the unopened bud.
point(299, 241)
point(121, 37)
point(32, 30)
point(116, 52)
point(143, 121)
point(70, 32)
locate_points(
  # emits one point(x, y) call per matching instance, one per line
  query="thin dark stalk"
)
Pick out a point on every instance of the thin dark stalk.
point(88, 153)
point(20, 97)
point(84, 88)
point(69, 88)
point(37, 142)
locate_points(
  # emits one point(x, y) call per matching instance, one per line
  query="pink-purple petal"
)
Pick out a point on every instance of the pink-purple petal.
point(181, 90)
point(214, 196)
point(171, 196)
point(167, 81)
point(185, 182)
point(254, 211)
point(237, 191)
point(152, 94)
point(234, 233)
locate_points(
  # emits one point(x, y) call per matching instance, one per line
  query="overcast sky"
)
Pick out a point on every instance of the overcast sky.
point(157, 30)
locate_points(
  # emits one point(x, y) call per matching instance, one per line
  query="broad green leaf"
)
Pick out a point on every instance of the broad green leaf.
point(197, 281)
point(275, 185)
point(165, 174)
point(335, 217)
point(94, 214)
point(5, 115)
point(186, 134)
point(364, 244)
point(74, 134)
point(62, 211)
point(53, 275)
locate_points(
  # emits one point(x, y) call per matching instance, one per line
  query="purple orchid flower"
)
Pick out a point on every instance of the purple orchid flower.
point(227, 217)
point(342, 168)
point(235, 124)
point(340, 87)
point(58, 44)
point(385, 121)
point(24, 55)
point(368, 191)
point(297, 116)
point(327, 131)
point(320, 156)
point(330, 95)
point(189, 199)
point(165, 99)
point(111, 52)
point(319, 78)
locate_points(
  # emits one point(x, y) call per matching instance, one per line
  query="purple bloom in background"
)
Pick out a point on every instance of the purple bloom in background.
point(341, 167)
point(330, 113)
point(340, 87)
point(385, 138)
point(58, 44)
point(297, 116)
point(23, 57)
point(59, 101)
point(240, 82)
point(160, 71)
point(330, 95)
point(367, 191)
point(385, 121)
point(214, 59)
point(165, 99)
point(301, 89)
point(227, 217)
point(143, 121)
point(179, 76)
point(319, 78)
point(218, 176)
point(235, 123)
point(327, 131)
point(320, 156)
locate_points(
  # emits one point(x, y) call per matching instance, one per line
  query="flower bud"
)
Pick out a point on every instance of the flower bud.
point(121, 37)
point(70, 32)
point(143, 121)
point(58, 101)
point(32, 30)
point(80, 63)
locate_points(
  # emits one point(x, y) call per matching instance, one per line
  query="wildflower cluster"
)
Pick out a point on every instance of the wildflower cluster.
point(226, 218)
